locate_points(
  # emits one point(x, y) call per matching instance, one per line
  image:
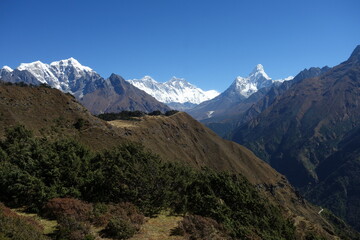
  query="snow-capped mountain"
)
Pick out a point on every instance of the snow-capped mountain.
point(176, 90)
point(94, 92)
point(257, 79)
point(66, 75)
point(239, 91)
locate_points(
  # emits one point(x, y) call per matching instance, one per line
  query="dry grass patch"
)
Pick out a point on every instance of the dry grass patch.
point(49, 225)
point(159, 228)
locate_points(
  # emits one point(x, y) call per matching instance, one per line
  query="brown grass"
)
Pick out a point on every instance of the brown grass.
point(159, 228)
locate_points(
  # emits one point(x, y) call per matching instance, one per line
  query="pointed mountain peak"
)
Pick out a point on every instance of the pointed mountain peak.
point(147, 78)
point(356, 53)
point(259, 71)
point(114, 76)
point(258, 68)
point(71, 61)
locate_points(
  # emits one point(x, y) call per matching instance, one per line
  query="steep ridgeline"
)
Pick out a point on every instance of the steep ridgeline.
point(251, 107)
point(277, 90)
point(235, 100)
point(176, 93)
point(85, 84)
point(116, 94)
point(308, 134)
point(52, 114)
point(240, 90)
point(66, 75)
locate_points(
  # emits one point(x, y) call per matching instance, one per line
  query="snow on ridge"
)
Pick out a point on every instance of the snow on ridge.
point(175, 90)
point(32, 65)
point(256, 80)
point(289, 78)
point(7, 68)
point(62, 74)
point(259, 71)
point(41, 71)
point(70, 62)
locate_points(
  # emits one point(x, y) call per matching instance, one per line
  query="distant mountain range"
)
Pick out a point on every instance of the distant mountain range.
point(97, 94)
point(306, 127)
point(85, 84)
point(176, 93)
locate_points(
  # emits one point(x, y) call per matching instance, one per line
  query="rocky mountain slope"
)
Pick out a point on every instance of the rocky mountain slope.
point(85, 84)
point(251, 107)
point(53, 114)
point(115, 95)
point(176, 93)
point(305, 131)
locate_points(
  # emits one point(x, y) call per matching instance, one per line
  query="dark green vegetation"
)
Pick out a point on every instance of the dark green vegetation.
point(339, 186)
point(77, 219)
point(35, 170)
point(132, 115)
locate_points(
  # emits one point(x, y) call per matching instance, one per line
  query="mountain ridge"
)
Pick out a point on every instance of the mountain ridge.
point(86, 85)
point(174, 91)
point(305, 131)
point(239, 91)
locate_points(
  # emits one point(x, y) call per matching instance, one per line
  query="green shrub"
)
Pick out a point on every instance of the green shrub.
point(119, 228)
point(35, 170)
point(79, 124)
point(71, 229)
point(171, 112)
point(155, 113)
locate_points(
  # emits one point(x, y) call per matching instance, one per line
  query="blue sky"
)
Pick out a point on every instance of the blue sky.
point(206, 42)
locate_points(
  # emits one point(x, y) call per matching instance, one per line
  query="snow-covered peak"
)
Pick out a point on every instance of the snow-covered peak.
point(257, 79)
point(7, 68)
point(258, 72)
point(258, 68)
point(180, 83)
point(176, 90)
point(32, 66)
point(67, 75)
point(41, 71)
point(70, 62)
point(147, 79)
